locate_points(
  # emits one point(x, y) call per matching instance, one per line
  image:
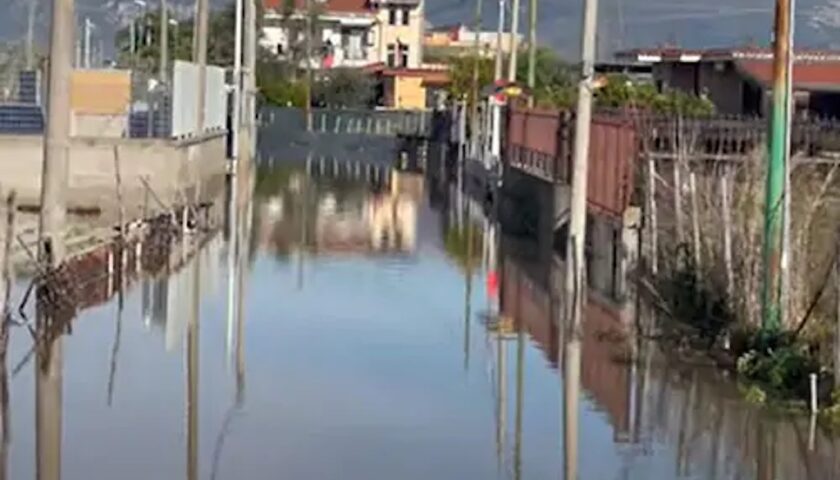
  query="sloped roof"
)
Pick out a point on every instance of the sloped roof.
point(337, 6)
point(806, 75)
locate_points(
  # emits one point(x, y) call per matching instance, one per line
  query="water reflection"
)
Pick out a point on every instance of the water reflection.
point(423, 343)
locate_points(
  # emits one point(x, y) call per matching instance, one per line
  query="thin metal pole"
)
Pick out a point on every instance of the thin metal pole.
point(88, 27)
point(237, 85)
point(773, 207)
point(577, 225)
point(30, 35)
point(499, 41)
point(308, 56)
point(200, 57)
point(163, 68)
point(514, 42)
point(477, 59)
point(532, 50)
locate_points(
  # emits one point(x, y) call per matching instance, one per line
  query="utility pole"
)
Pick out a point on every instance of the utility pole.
point(88, 28)
point(308, 106)
point(779, 152)
point(477, 59)
point(500, 41)
point(514, 42)
point(250, 80)
point(57, 137)
point(163, 68)
point(237, 86)
point(200, 57)
point(30, 35)
point(577, 224)
point(532, 51)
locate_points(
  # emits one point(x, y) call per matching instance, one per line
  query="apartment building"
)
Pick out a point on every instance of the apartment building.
point(349, 33)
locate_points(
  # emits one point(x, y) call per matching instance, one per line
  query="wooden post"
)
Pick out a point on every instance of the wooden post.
point(695, 221)
point(653, 227)
point(727, 234)
point(7, 273)
point(678, 213)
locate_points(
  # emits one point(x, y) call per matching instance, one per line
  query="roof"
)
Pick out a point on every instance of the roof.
point(806, 75)
point(687, 55)
point(338, 6)
point(431, 75)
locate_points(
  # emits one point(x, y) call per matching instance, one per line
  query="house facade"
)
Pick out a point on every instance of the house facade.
point(739, 81)
point(349, 33)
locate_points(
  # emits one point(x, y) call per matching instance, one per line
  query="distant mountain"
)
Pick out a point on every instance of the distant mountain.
point(648, 23)
point(623, 23)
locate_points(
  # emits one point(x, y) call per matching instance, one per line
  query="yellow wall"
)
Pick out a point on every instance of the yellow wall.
point(409, 93)
point(100, 92)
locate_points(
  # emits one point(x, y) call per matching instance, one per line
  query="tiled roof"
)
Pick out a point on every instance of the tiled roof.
point(675, 54)
point(337, 6)
point(806, 75)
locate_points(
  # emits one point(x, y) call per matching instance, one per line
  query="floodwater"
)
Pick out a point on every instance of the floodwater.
point(367, 335)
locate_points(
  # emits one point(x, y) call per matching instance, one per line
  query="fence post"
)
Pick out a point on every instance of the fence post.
point(727, 234)
point(653, 228)
point(695, 220)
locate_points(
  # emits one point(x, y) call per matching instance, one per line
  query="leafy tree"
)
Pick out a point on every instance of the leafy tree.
point(461, 74)
point(344, 88)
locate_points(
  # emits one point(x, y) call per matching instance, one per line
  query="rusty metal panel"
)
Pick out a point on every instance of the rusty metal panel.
point(612, 157)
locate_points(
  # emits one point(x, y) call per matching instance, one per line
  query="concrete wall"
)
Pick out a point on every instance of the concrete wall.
point(172, 169)
point(411, 34)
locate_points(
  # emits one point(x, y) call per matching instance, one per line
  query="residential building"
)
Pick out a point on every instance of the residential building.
point(350, 33)
point(740, 80)
point(458, 40)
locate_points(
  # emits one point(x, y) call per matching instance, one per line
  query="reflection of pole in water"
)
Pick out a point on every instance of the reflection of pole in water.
point(232, 248)
point(520, 395)
point(501, 405)
point(48, 391)
point(468, 278)
point(240, 331)
point(192, 376)
point(115, 349)
point(571, 370)
point(6, 279)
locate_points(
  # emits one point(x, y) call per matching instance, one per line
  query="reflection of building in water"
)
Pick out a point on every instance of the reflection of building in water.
point(378, 223)
point(648, 396)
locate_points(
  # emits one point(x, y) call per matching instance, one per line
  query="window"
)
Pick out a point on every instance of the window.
point(280, 50)
point(392, 16)
point(403, 55)
point(406, 18)
point(392, 55)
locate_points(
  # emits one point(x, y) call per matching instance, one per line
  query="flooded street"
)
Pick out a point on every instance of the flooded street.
point(366, 334)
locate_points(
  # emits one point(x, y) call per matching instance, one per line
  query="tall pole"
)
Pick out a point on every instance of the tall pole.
point(200, 57)
point(577, 224)
point(57, 138)
point(500, 41)
point(786, 239)
point(477, 58)
point(88, 28)
point(250, 81)
point(163, 68)
point(308, 106)
point(774, 204)
point(237, 85)
point(30, 35)
point(532, 50)
point(514, 42)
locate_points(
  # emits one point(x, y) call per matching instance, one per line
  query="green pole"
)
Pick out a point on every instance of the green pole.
point(774, 205)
